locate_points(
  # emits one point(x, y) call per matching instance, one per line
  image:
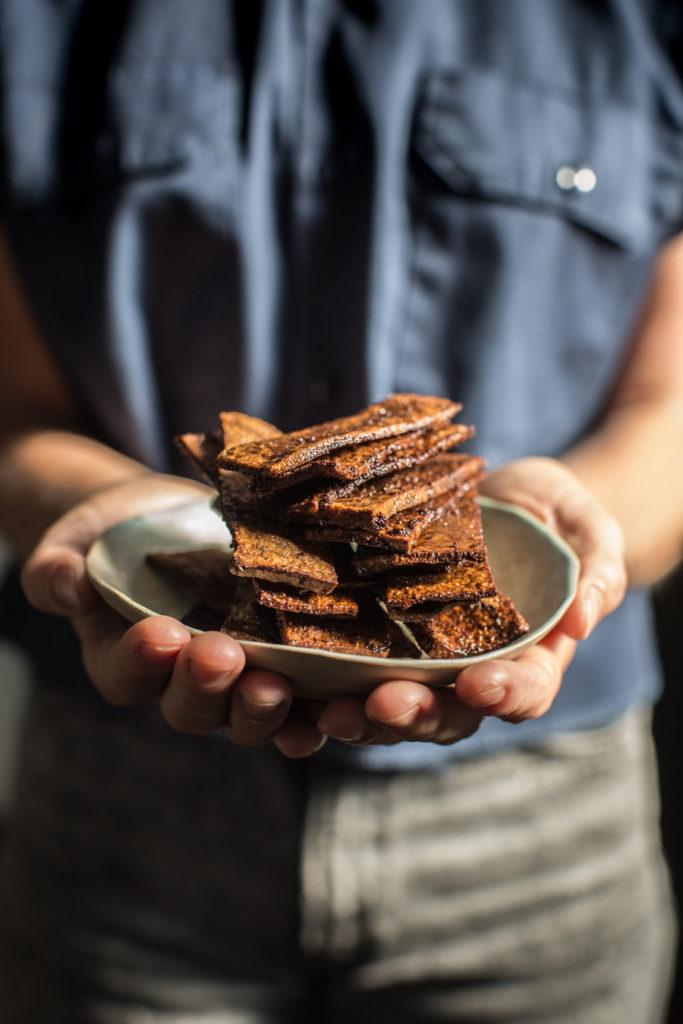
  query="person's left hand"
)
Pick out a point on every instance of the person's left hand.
point(200, 683)
point(519, 688)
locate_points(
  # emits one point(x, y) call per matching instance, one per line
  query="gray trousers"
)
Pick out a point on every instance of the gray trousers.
point(153, 878)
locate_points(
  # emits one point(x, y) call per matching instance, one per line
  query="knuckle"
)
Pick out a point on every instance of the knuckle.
point(471, 728)
point(184, 721)
point(536, 710)
point(615, 583)
point(257, 727)
point(463, 732)
point(615, 574)
point(122, 689)
point(259, 717)
point(252, 732)
point(32, 581)
point(535, 694)
point(26, 575)
point(117, 695)
point(242, 739)
point(615, 535)
point(174, 720)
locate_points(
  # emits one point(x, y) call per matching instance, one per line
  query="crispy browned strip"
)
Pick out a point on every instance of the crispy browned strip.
point(281, 558)
point(283, 455)
point(376, 458)
point(400, 533)
point(224, 602)
point(252, 623)
point(306, 603)
point(205, 573)
point(456, 537)
point(368, 636)
point(370, 505)
point(271, 552)
point(390, 454)
point(404, 530)
point(235, 428)
point(404, 594)
point(238, 502)
point(423, 612)
point(467, 629)
point(202, 449)
point(238, 428)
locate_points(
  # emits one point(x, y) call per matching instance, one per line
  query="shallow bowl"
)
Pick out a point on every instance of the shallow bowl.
point(530, 563)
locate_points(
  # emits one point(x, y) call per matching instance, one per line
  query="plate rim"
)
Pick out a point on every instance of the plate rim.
point(106, 589)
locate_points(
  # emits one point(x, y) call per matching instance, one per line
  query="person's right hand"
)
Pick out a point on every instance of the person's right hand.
point(198, 681)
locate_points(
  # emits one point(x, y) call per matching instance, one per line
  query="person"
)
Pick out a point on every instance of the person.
point(291, 209)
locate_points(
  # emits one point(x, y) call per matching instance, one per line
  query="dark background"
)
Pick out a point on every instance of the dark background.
point(668, 728)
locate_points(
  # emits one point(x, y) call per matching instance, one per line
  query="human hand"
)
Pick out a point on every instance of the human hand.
point(199, 682)
point(514, 689)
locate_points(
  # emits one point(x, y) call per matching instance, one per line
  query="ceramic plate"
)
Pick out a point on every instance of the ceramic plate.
point(530, 564)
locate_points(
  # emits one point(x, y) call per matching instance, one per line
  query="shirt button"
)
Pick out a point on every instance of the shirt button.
point(319, 391)
point(583, 179)
point(565, 178)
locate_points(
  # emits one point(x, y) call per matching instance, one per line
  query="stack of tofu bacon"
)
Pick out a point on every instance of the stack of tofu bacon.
point(361, 535)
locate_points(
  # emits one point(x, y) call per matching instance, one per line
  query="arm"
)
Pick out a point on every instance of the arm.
point(617, 498)
point(632, 462)
point(46, 462)
point(59, 490)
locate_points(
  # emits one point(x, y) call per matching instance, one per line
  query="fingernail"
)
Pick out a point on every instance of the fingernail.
point(593, 606)
point(64, 591)
point(157, 652)
point(488, 698)
point(356, 735)
point(405, 719)
point(260, 709)
point(207, 678)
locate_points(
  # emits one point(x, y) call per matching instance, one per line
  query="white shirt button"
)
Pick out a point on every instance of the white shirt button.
point(566, 178)
point(583, 179)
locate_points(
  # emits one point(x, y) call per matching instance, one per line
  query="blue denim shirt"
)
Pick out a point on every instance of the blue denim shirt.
point(294, 207)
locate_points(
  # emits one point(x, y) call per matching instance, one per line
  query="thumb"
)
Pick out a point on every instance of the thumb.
point(54, 576)
point(55, 581)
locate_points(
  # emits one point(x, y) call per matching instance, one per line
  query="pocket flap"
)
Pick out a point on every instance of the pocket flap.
point(174, 117)
point(487, 136)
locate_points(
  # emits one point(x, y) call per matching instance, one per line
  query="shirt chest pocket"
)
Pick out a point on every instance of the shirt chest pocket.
point(183, 118)
point(602, 166)
point(533, 218)
point(177, 124)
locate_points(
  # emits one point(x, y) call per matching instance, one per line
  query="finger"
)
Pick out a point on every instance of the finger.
point(521, 688)
point(129, 665)
point(411, 711)
point(260, 705)
point(298, 737)
point(598, 541)
point(344, 719)
point(197, 697)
